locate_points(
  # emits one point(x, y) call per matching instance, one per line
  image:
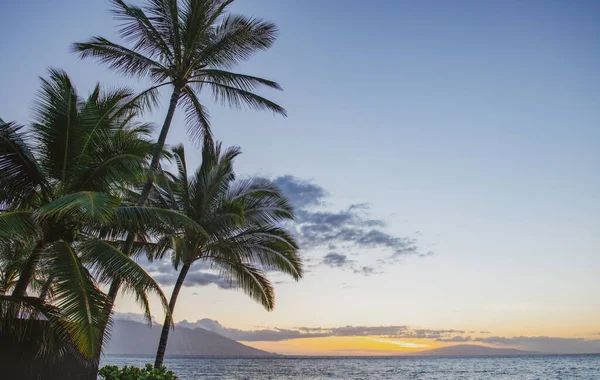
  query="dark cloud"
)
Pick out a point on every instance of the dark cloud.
point(301, 193)
point(366, 270)
point(275, 335)
point(336, 260)
point(164, 274)
point(542, 344)
point(484, 332)
point(194, 279)
point(456, 339)
point(350, 229)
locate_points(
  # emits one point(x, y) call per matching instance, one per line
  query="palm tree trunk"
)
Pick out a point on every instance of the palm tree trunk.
point(164, 336)
point(46, 288)
point(28, 271)
point(160, 144)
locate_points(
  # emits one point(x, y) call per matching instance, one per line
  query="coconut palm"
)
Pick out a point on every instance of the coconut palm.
point(241, 236)
point(188, 45)
point(60, 186)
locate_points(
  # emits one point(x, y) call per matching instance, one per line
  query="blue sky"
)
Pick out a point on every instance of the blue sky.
point(475, 123)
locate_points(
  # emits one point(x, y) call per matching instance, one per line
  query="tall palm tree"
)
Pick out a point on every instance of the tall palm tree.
point(241, 236)
point(60, 185)
point(188, 45)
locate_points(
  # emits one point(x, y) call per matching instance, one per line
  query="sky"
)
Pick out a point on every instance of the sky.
point(442, 156)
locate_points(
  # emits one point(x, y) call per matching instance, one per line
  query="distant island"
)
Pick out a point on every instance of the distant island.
point(134, 338)
point(471, 350)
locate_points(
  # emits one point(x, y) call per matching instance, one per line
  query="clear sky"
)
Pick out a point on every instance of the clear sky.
point(471, 129)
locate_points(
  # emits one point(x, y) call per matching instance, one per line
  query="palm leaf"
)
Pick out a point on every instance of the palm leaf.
point(78, 298)
point(20, 175)
point(84, 206)
point(108, 264)
point(117, 57)
point(16, 224)
point(250, 279)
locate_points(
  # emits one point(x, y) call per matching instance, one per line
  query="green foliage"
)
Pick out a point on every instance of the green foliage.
point(191, 46)
point(63, 210)
point(242, 238)
point(112, 372)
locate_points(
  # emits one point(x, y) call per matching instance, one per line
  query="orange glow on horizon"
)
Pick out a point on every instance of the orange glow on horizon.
point(346, 346)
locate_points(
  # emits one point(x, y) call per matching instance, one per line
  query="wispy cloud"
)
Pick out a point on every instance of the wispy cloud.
point(542, 344)
point(276, 334)
point(351, 229)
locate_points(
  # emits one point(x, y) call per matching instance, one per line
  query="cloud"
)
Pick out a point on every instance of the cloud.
point(366, 271)
point(198, 278)
point(276, 334)
point(300, 192)
point(542, 344)
point(336, 260)
point(456, 339)
point(164, 274)
point(132, 317)
point(351, 228)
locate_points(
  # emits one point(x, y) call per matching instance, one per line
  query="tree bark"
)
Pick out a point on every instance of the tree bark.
point(160, 144)
point(164, 336)
point(27, 273)
point(46, 288)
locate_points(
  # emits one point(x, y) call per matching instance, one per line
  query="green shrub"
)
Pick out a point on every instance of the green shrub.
point(112, 372)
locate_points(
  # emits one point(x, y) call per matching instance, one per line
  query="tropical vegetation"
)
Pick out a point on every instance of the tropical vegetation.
point(188, 46)
point(240, 219)
point(62, 213)
point(83, 192)
point(112, 372)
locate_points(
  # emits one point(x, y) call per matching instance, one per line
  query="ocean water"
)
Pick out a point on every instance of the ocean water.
point(538, 367)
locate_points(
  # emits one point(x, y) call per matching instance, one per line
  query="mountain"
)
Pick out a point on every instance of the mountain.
point(471, 350)
point(134, 338)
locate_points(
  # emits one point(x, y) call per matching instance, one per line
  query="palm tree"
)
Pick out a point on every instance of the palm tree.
point(188, 45)
point(60, 185)
point(241, 236)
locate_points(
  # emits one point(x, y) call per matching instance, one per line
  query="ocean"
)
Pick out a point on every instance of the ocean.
point(538, 367)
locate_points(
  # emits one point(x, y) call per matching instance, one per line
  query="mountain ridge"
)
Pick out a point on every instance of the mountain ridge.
point(134, 338)
point(471, 350)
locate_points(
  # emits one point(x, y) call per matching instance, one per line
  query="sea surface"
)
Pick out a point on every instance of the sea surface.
point(539, 367)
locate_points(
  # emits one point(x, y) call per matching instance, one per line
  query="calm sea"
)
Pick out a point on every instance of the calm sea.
point(418, 368)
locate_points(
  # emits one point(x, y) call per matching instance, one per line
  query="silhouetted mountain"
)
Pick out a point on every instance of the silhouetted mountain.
point(133, 338)
point(471, 350)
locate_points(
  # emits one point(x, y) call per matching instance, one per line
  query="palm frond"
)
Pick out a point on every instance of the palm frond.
point(84, 206)
point(117, 57)
point(262, 200)
point(237, 38)
point(145, 218)
point(197, 117)
point(109, 264)
point(78, 298)
point(56, 125)
point(247, 277)
point(16, 224)
point(271, 247)
point(20, 176)
point(239, 98)
point(138, 29)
